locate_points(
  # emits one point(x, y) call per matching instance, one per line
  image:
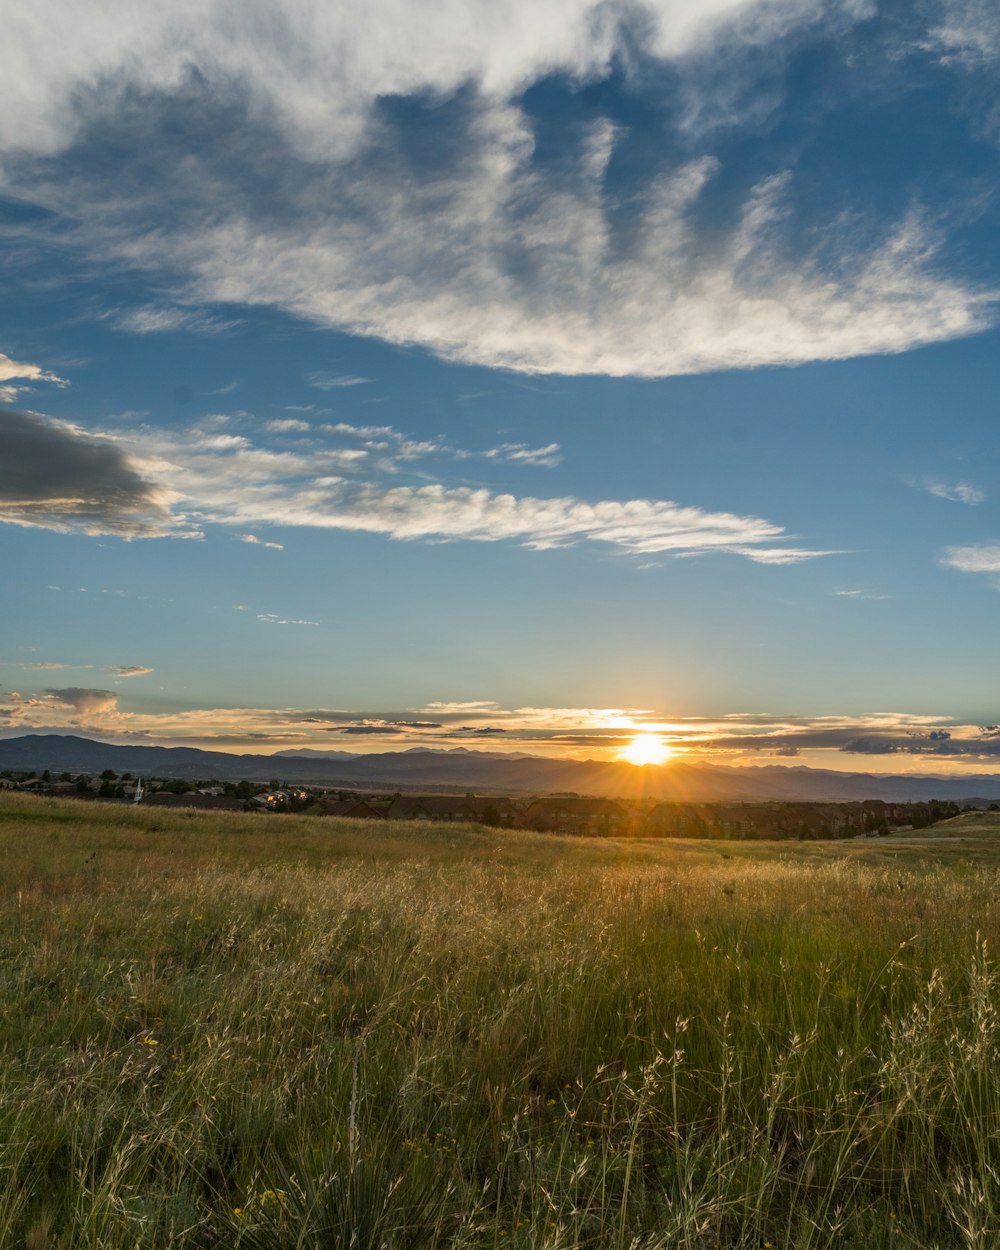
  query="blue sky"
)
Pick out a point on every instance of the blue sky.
point(506, 377)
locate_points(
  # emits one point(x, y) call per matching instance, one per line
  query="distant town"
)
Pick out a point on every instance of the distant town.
point(559, 813)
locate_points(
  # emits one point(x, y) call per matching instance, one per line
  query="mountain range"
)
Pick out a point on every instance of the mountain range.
point(462, 770)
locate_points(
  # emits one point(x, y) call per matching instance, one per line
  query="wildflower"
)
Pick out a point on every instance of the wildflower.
point(272, 1195)
point(150, 1041)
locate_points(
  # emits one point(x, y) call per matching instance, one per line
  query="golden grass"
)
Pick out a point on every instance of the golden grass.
point(452, 1036)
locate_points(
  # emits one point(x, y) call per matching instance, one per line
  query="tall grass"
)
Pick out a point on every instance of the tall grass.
point(271, 1033)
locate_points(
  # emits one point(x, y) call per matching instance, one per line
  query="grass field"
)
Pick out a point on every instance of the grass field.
point(254, 1031)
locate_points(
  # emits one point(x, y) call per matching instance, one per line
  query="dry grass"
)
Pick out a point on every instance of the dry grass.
point(404, 1036)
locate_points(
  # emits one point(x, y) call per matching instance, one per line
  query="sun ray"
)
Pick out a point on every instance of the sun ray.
point(646, 748)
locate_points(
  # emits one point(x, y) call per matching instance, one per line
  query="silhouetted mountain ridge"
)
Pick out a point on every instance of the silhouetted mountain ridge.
point(466, 770)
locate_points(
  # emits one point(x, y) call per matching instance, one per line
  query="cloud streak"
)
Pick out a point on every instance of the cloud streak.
point(168, 320)
point(738, 738)
point(156, 483)
point(957, 492)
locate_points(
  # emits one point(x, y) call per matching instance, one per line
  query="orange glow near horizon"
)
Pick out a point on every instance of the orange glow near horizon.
point(646, 748)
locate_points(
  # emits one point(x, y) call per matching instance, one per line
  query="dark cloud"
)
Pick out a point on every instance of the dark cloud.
point(934, 743)
point(486, 732)
point(54, 476)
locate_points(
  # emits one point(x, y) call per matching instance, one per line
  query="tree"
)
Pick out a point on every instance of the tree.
point(109, 774)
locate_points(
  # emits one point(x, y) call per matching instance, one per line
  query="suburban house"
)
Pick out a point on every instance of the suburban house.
point(601, 818)
point(353, 809)
point(269, 801)
point(449, 807)
point(205, 802)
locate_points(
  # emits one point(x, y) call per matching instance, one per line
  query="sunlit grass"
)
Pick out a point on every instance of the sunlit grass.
point(278, 1032)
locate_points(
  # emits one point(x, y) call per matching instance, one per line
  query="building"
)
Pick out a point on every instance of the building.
point(602, 818)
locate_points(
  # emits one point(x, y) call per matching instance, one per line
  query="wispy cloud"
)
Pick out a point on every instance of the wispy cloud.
point(335, 381)
point(16, 376)
point(272, 618)
point(489, 255)
point(287, 425)
point(170, 320)
point(967, 31)
point(156, 482)
point(128, 670)
point(519, 453)
point(529, 287)
point(259, 542)
point(983, 558)
point(322, 70)
point(394, 445)
point(957, 492)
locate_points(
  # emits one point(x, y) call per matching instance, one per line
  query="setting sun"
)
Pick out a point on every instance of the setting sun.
point(646, 749)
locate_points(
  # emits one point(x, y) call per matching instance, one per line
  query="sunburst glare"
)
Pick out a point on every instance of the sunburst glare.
point(646, 748)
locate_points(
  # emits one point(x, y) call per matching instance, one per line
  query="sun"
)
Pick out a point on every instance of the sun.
point(646, 748)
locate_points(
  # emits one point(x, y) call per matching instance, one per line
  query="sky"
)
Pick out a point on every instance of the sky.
point(504, 376)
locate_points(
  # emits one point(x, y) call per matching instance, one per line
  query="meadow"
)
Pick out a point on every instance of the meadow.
point(286, 1032)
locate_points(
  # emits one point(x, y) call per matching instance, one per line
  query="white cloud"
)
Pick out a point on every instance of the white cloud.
point(152, 320)
point(503, 270)
point(287, 425)
point(519, 453)
point(15, 373)
point(258, 542)
point(494, 261)
point(272, 619)
point(335, 381)
point(158, 482)
point(88, 704)
point(782, 555)
point(984, 558)
point(317, 69)
point(438, 512)
point(968, 31)
point(957, 492)
point(128, 670)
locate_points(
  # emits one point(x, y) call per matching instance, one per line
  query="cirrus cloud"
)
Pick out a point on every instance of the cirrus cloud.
point(305, 192)
point(154, 482)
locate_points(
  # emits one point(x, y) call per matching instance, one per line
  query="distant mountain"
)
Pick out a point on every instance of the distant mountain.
point(307, 753)
point(464, 770)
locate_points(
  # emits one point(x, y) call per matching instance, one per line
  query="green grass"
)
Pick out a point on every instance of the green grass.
point(405, 1036)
